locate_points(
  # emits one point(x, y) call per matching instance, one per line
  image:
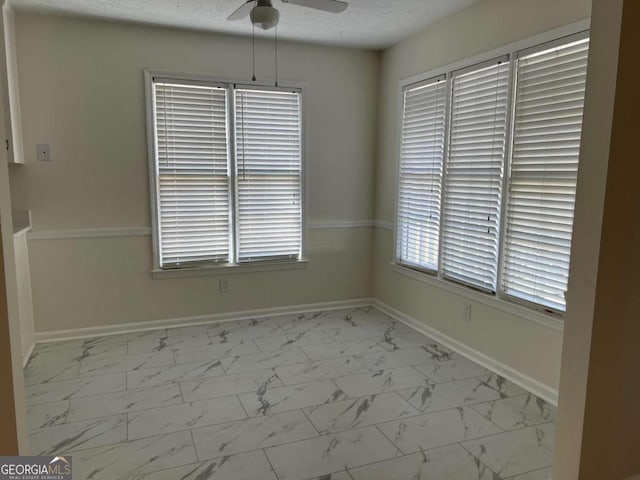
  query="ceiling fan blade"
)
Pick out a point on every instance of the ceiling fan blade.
point(242, 12)
point(333, 6)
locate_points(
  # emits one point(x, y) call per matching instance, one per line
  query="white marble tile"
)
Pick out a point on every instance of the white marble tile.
point(330, 454)
point(405, 340)
point(368, 331)
point(381, 381)
point(502, 385)
point(442, 396)
point(103, 347)
point(401, 358)
point(260, 361)
point(104, 342)
point(451, 370)
point(334, 476)
point(437, 429)
point(130, 459)
point(78, 435)
point(243, 466)
point(321, 370)
point(190, 331)
point(56, 391)
point(542, 474)
point(517, 412)
point(150, 377)
point(273, 400)
point(152, 345)
point(278, 342)
point(252, 434)
point(47, 414)
point(186, 354)
point(445, 463)
point(245, 333)
point(359, 412)
point(519, 451)
point(128, 337)
point(229, 385)
point(123, 402)
point(91, 367)
point(76, 350)
point(175, 418)
point(332, 319)
point(303, 371)
point(259, 322)
point(51, 372)
point(52, 347)
point(341, 349)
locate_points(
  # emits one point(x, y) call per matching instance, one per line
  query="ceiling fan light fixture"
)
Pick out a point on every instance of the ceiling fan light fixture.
point(265, 17)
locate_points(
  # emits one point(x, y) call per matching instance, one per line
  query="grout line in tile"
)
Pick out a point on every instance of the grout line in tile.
point(193, 442)
point(309, 420)
point(242, 405)
point(478, 459)
point(529, 471)
point(264, 451)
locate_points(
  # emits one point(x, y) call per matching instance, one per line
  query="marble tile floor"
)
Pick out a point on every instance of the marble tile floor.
point(347, 394)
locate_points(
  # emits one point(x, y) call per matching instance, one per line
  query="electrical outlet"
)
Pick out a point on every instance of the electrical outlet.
point(44, 153)
point(466, 313)
point(224, 284)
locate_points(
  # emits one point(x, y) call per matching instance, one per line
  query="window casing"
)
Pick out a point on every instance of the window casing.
point(226, 168)
point(509, 168)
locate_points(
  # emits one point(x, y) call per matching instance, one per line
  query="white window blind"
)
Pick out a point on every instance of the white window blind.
point(268, 174)
point(420, 183)
point(546, 145)
point(191, 173)
point(474, 170)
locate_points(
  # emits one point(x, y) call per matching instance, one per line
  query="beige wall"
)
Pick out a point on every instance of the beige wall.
point(532, 349)
point(13, 410)
point(598, 418)
point(82, 91)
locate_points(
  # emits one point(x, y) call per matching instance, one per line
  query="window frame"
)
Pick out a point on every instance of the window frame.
point(539, 313)
point(233, 266)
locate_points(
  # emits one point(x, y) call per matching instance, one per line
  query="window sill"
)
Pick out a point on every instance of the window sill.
point(507, 306)
point(158, 274)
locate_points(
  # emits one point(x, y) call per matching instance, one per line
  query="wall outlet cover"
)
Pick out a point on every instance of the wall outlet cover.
point(44, 152)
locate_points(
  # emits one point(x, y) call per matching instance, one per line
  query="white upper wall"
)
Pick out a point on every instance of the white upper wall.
point(83, 93)
point(482, 27)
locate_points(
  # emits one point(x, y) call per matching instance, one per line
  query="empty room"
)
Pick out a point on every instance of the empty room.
point(319, 240)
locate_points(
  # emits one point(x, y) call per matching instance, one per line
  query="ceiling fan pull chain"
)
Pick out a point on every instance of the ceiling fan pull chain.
point(276, 55)
point(253, 39)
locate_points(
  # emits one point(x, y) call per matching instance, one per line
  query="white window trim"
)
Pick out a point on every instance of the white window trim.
point(224, 268)
point(523, 309)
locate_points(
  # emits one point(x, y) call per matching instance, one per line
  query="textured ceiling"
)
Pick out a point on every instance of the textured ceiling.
point(365, 23)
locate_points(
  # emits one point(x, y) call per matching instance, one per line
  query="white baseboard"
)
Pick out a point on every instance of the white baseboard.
point(530, 384)
point(76, 333)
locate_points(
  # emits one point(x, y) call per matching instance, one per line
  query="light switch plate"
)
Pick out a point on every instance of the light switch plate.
point(44, 153)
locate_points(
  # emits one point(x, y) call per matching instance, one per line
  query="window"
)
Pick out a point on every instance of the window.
point(544, 171)
point(487, 175)
point(227, 173)
point(421, 173)
point(473, 181)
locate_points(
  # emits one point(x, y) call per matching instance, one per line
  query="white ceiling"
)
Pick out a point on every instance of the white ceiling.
point(365, 23)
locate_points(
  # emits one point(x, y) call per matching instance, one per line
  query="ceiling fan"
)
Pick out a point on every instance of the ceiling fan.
point(264, 15)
